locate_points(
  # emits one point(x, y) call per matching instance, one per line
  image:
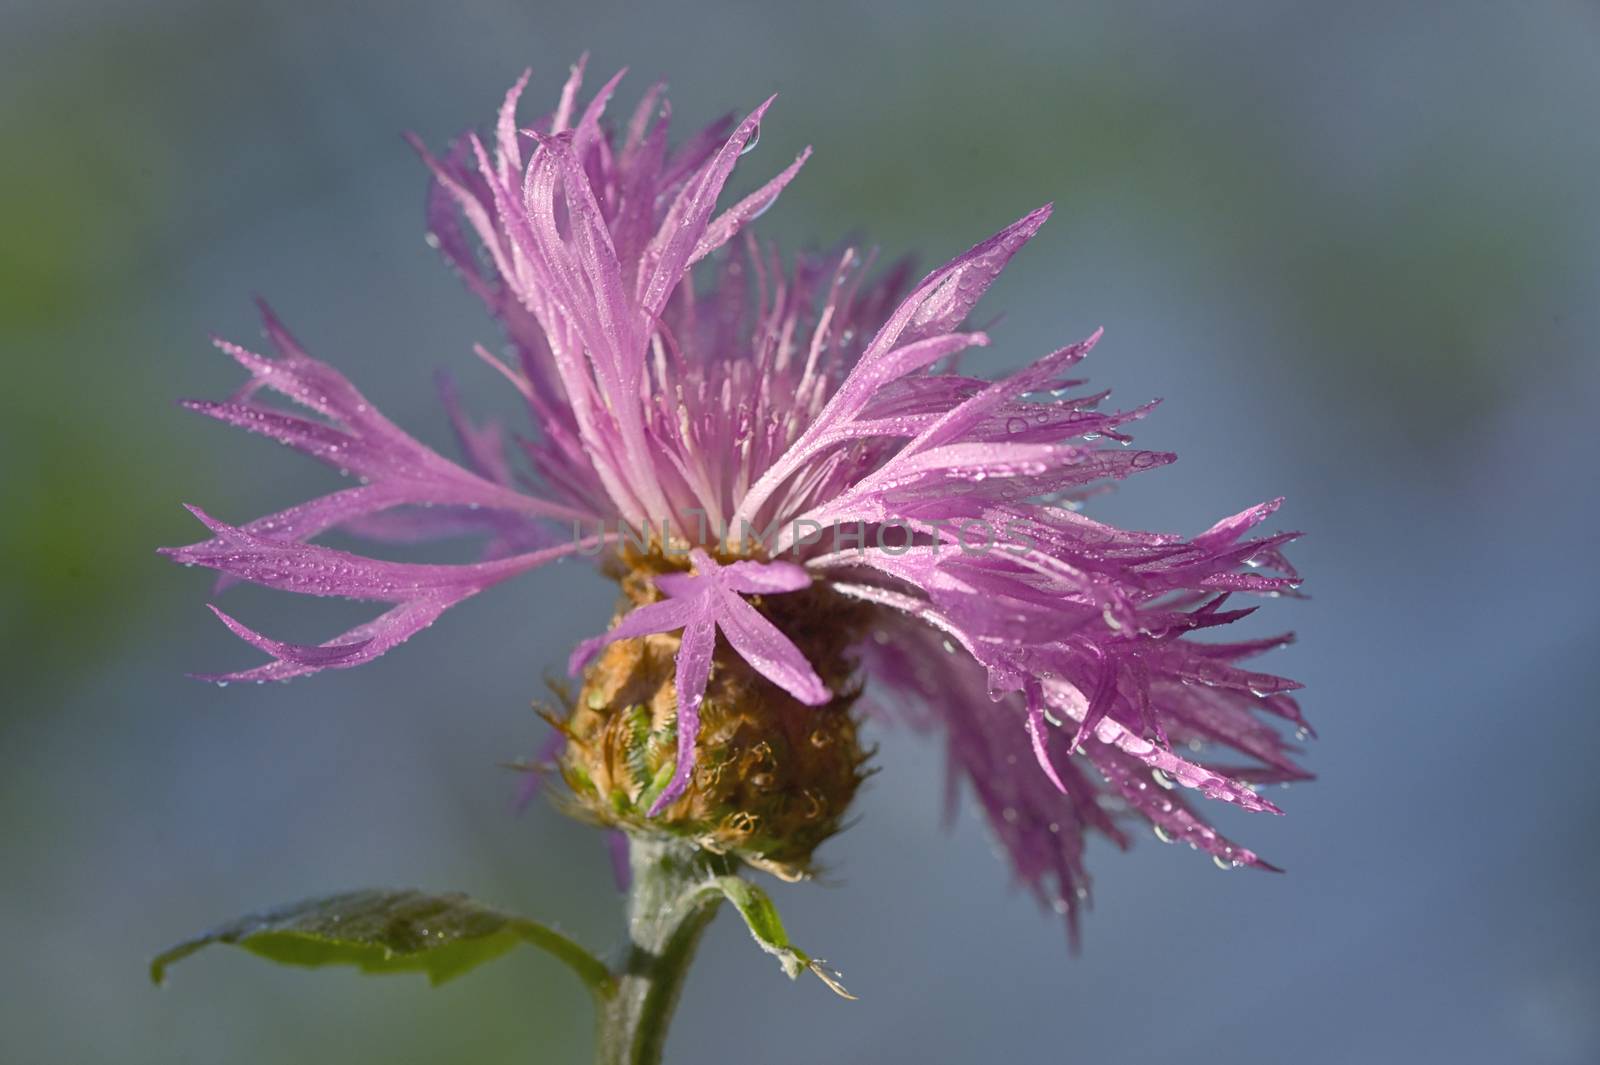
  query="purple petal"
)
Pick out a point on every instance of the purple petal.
point(942, 300)
point(421, 592)
point(1036, 734)
point(694, 670)
point(747, 210)
point(1105, 689)
point(507, 147)
point(1212, 785)
point(668, 615)
point(484, 447)
point(317, 657)
point(757, 578)
point(373, 638)
point(669, 253)
point(681, 585)
point(1167, 810)
point(311, 569)
point(769, 651)
point(1230, 529)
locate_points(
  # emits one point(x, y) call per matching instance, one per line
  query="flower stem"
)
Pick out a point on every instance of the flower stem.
point(669, 907)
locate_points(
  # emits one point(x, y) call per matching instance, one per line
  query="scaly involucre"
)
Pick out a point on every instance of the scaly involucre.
point(770, 403)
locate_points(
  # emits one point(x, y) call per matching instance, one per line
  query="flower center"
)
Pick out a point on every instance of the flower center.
point(772, 776)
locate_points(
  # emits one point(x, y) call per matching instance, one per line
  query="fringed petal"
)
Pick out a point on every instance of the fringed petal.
point(668, 615)
point(693, 671)
point(421, 592)
point(769, 652)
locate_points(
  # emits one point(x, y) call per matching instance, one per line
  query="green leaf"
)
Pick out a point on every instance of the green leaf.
point(761, 917)
point(390, 932)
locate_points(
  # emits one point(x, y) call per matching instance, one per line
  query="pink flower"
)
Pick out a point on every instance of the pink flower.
point(811, 422)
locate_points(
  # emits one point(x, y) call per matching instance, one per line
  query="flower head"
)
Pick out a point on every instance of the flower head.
point(800, 493)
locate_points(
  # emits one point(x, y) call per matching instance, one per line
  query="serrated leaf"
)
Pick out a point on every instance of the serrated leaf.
point(766, 927)
point(441, 936)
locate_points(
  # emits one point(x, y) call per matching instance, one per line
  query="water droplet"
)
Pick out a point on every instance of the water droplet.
point(762, 208)
point(1146, 459)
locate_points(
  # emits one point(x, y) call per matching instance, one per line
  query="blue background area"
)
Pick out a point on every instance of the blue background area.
point(1355, 248)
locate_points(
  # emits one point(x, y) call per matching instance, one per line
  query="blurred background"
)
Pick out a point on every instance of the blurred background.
point(1355, 247)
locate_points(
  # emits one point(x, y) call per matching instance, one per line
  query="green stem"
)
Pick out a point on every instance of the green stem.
point(669, 907)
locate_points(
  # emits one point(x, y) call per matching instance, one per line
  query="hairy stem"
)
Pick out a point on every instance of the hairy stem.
point(669, 906)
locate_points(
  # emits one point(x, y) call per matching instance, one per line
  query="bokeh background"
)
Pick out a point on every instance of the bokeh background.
point(1356, 247)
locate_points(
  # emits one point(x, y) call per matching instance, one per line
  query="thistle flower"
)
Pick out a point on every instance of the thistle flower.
point(802, 497)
